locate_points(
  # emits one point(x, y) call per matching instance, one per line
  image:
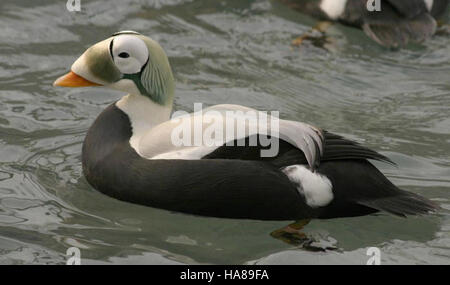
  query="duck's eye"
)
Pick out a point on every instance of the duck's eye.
point(124, 55)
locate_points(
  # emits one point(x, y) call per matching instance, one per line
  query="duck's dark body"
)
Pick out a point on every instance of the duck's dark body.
point(240, 187)
point(398, 22)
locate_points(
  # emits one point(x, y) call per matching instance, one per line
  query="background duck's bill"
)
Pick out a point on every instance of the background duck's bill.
point(72, 79)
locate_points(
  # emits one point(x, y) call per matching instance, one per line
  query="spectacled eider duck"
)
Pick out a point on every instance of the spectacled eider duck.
point(128, 153)
point(391, 23)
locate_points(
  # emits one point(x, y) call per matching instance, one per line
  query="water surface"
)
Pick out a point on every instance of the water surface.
point(221, 52)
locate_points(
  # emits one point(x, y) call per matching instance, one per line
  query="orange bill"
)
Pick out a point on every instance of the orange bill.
point(72, 79)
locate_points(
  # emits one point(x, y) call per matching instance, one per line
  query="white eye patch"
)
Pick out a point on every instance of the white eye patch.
point(130, 53)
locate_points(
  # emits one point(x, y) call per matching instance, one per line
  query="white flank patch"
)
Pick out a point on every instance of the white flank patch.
point(316, 188)
point(333, 8)
point(429, 4)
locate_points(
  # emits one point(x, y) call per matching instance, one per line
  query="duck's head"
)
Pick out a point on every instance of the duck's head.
point(127, 61)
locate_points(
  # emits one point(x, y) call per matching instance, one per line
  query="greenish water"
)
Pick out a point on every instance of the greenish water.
point(221, 52)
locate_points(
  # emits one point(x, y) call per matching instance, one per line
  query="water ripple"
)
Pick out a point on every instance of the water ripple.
point(235, 51)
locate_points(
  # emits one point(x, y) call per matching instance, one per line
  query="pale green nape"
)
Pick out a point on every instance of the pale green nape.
point(157, 77)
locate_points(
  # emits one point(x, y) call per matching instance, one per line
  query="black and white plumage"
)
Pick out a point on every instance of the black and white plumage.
point(396, 24)
point(127, 155)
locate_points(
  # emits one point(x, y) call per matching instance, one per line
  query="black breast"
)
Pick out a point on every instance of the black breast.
point(230, 188)
point(240, 187)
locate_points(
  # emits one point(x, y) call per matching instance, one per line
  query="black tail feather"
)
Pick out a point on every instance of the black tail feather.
point(403, 204)
point(359, 188)
point(339, 148)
